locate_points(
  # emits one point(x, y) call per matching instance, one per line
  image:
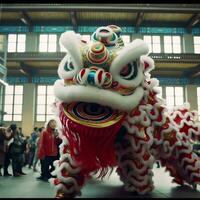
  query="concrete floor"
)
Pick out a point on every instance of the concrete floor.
point(28, 187)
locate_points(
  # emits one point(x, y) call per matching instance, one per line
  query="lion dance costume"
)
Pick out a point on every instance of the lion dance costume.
point(112, 117)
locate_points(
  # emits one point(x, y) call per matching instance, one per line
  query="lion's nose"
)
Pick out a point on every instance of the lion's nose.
point(94, 76)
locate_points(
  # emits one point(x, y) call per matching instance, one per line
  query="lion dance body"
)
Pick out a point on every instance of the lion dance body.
point(111, 117)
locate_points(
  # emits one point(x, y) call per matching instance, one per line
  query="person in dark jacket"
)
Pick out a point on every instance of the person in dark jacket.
point(16, 149)
point(5, 135)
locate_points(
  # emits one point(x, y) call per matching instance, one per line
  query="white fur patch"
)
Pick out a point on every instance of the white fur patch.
point(67, 74)
point(72, 43)
point(129, 53)
point(148, 60)
point(96, 95)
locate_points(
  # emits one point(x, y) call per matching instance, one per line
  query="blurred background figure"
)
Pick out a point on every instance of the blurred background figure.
point(20, 132)
point(16, 150)
point(5, 135)
point(32, 146)
point(35, 160)
point(26, 150)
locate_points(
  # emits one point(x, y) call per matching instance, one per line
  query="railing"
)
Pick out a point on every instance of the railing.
point(57, 56)
point(192, 58)
point(31, 56)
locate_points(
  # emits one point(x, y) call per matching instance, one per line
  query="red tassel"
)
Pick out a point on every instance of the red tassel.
point(94, 146)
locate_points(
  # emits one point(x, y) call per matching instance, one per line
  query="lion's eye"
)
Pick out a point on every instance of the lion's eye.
point(130, 71)
point(69, 65)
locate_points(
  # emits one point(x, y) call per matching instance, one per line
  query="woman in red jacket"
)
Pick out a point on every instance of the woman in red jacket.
point(48, 149)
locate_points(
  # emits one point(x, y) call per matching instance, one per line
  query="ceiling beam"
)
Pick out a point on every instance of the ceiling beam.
point(74, 20)
point(27, 70)
point(192, 22)
point(167, 69)
point(192, 72)
point(139, 19)
point(195, 72)
point(158, 8)
point(26, 19)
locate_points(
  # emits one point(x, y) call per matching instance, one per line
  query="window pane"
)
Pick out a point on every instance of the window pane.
point(179, 101)
point(178, 91)
point(43, 38)
point(169, 91)
point(156, 39)
point(21, 38)
point(13, 107)
point(9, 99)
point(176, 39)
point(8, 109)
point(52, 38)
point(50, 90)
point(50, 99)
point(50, 117)
point(18, 99)
point(52, 47)
point(176, 49)
point(198, 91)
point(196, 39)
point(41, 99)
point(12, 38)
point(167, 39)
point(11, 47)
point(21, 47)
point(147, 38)
point(150, 48)
point(9, 89)
point(170, 101)
point(43, 47)
point(49, 110)
point(40, 118)
point(7, 117)
point(40, 109)
point(18, 89)
point(168, 48)
point(156, 48)
point(196, 48)
point(42, 89)
point(17, 118)
point(18, 109)
point(45, 98)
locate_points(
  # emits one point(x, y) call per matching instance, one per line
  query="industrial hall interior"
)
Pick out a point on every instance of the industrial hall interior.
point(99, 100)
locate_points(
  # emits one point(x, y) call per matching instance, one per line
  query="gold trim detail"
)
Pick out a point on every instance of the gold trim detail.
point(118, 117)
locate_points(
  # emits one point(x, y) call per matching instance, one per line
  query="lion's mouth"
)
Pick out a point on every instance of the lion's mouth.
point(92, 114)
point(91, 131)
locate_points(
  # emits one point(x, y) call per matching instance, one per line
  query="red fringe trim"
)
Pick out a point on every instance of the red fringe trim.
point(93, 147)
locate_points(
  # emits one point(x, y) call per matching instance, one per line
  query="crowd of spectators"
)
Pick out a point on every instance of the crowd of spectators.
point(36, 151)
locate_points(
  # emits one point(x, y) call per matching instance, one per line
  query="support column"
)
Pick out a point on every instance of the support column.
point(187, 41)
point(191, 96)
point(28, 108)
